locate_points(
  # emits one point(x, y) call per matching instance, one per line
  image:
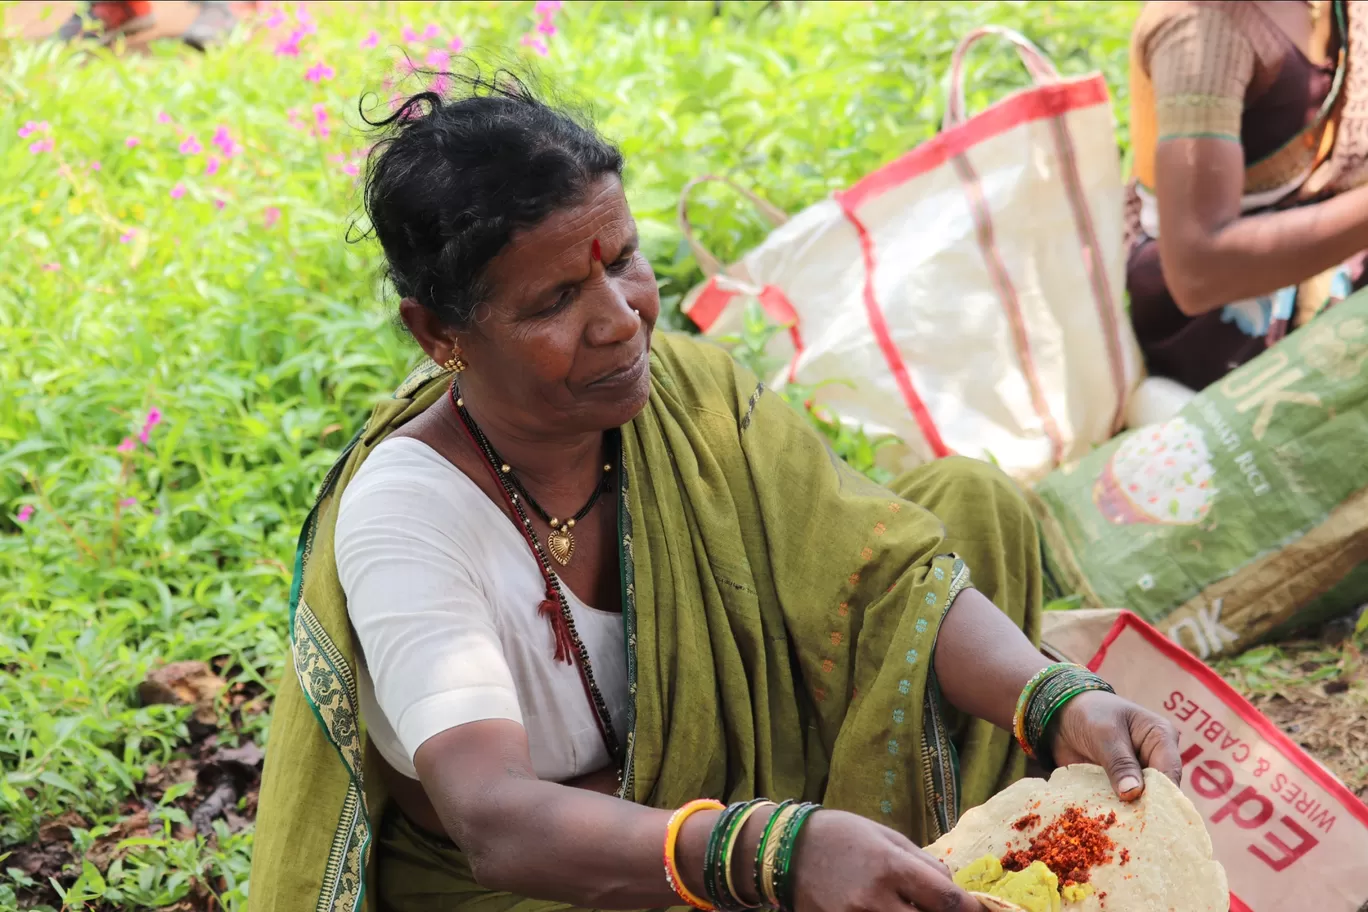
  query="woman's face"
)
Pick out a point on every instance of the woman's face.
point(562, 344)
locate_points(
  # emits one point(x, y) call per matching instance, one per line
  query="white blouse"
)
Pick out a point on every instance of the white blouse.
point(442, 590)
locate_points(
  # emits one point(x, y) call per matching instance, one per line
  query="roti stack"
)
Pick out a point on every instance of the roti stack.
point(1150, 854)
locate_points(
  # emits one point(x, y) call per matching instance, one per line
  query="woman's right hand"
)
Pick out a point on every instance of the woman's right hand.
point(846, 863)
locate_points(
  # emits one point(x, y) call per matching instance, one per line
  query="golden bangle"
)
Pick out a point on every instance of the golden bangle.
point(771, 855)
point(736, 836)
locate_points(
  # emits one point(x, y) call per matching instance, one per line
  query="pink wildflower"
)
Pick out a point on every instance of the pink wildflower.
point(25, 513)
point(320, 72)
point(370, 40)
point(211, 166)
point(31, 127)
point(546, 27)
point(440, 84)
point(305, 21)
point(321, 128)
point(191, 146)
point(455, 45)
point(276, 19)
point(219, 204)
point(52, 267)
point(437, 59)
point(536, 44)
point(132, 142)
point(432, 32)
point(350, 169)
point(154, 417)
point(290, 46)
point(129, 502)
point(126, 445)
point(128, 236)
point(272, 216)
point(547, 7)
point(178, 191)
point(225, 142)
point(96, 166)
point(163, 117)
point(410, 35)
point(42, 145)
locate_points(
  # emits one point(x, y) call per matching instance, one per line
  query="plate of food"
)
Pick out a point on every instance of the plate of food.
point(1070, 844)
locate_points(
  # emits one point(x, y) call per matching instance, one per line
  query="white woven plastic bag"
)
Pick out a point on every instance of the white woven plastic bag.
point(969, 292)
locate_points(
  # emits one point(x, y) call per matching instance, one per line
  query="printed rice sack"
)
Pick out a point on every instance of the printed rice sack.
point(1244, 514)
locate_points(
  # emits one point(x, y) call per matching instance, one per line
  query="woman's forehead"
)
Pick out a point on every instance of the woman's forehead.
point(601, 214)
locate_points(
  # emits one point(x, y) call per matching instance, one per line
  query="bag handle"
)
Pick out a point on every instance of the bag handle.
point(1041, 68)
point(709, 263)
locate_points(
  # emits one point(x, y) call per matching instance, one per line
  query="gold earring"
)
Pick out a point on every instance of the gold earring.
point(455, 363)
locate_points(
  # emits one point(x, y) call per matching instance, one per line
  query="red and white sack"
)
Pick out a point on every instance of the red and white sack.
point(1288, 833)
point(968, 296)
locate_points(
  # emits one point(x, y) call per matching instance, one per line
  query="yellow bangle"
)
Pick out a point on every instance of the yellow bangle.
point(672, 838)
point(771, 855)
point(736, 836)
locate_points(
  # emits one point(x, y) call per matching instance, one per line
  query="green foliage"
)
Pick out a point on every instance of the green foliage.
point(229, 303)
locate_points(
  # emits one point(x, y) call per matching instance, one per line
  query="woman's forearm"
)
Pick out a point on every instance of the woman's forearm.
point(983, 660)
point(1258, 254)
point(550, 841)
point(554, 842)
point(1212, 255)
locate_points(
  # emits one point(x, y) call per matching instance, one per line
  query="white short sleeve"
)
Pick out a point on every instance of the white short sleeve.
point(426, 627)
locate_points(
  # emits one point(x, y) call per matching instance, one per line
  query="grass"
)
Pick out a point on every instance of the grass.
point(143, 280)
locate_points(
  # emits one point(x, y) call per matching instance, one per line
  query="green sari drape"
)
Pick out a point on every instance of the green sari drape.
point(781, 613)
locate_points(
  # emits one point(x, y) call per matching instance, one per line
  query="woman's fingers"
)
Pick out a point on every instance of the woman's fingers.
point(1121, 764)
point(1157, 743)
point(907, 845)
point(928, 887)
point(1119, 736)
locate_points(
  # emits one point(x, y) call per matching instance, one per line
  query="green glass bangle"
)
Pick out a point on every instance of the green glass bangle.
point(1049, 697)
point(715, 843)
point(760, 852)
point(1082, 688)
point(1048, 694)
point(783, 879)
point(1024, 700)
point(726, 900)
point(1045, 697)
point(1048, 671)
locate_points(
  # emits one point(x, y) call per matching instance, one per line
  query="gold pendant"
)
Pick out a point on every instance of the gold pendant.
point(561, 544)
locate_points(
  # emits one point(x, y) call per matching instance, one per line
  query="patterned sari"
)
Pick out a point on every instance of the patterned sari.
point(781, 614)
point(1225, 70)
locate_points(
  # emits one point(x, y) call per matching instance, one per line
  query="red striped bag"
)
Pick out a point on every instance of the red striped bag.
point(968, 296)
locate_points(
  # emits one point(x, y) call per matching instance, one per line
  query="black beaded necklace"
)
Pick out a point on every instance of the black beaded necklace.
point(555, 607)
point(559, 542)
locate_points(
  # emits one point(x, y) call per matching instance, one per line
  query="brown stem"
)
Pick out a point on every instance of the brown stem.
point(47, 505)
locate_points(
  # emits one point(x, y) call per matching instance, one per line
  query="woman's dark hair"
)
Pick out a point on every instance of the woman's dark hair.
point(457, 172)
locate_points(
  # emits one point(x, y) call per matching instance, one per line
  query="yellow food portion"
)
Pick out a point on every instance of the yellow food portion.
point(1077, 892)
point(1035, 889)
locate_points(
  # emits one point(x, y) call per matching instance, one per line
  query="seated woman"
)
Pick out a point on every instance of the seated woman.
point(585, 574)
point(1249, 212)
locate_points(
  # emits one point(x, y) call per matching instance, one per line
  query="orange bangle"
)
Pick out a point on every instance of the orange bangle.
point(671, 840)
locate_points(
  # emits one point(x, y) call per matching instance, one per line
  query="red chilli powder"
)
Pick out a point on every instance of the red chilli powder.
point(1071, 845)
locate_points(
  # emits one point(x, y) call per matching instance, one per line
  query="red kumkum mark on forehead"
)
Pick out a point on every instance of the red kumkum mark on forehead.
point(596, 252)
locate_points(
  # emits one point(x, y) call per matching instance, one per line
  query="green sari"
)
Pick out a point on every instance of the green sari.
point(781, 613)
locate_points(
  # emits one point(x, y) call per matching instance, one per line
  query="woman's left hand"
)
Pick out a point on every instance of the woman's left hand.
point(1121, 737)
